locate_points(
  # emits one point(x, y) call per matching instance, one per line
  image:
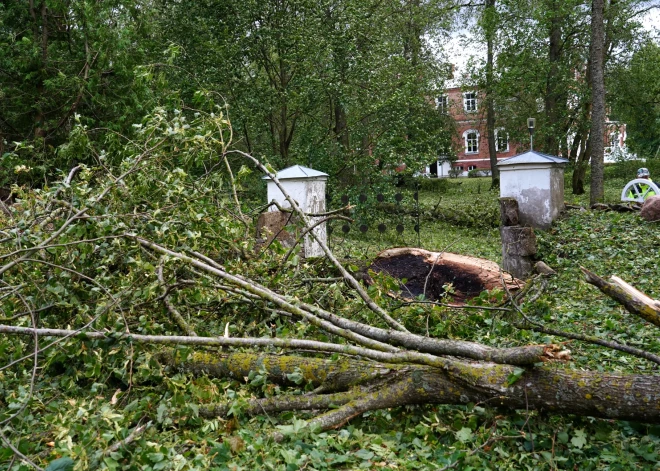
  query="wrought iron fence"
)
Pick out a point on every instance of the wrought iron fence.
point(385, 215)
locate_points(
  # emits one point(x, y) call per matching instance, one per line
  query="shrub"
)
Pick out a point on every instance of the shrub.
point(437, 185)
point(454, 172)
point(627, 169)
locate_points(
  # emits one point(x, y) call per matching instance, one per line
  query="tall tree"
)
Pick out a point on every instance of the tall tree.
point(597, 133)
point(336, 85)
point(60, 58)
point(489, 30)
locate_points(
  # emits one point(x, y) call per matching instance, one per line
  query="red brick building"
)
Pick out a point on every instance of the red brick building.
point(467, 107)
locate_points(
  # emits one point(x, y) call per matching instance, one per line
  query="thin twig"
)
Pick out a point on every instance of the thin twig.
point(178, 318)
point(137, 431)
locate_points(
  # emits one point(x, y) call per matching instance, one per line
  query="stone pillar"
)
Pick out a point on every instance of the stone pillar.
point(518, 242)
point(536, 181)
point(307, 187)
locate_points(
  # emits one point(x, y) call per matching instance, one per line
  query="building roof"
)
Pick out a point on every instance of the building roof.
point(532, 157)
point(297, 171)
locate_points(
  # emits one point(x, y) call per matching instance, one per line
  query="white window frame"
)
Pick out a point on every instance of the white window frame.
point(466, 141)
point(497, 142)
point(471, 167)
point(442, 103)
point(470, 102)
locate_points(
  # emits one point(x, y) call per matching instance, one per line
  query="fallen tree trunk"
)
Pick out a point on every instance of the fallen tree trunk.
point(356, 386)
point(428, 272)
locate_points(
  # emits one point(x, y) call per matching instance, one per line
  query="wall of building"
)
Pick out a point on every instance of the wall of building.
point(472, 121)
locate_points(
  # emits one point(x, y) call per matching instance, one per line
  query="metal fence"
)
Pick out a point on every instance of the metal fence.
point(386, 215)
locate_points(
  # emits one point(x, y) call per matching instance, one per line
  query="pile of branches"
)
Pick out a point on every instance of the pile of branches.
point(87, 257)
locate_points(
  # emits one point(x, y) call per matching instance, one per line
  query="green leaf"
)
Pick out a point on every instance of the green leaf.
point(464, 435)
point(364, 454)
point(579, 439)
point(61, 464)
point(514, 376)
point(296, 376)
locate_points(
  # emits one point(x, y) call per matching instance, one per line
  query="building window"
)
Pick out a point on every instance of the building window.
point(472, 167)
point(471, 138)
point(443, 104)
point(501, 140)
point(470, 102)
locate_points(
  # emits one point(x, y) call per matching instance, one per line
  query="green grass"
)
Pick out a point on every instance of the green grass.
point(468, 221)
point(74, 412)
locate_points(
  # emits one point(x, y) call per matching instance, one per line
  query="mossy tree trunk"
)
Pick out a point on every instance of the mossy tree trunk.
point(349, 387)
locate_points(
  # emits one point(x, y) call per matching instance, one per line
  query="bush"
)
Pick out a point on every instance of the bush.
point(437, 185)
point(478, 172)
point(627, 169)
point(454, 172)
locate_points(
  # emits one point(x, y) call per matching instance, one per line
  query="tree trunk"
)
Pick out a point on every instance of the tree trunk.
point(341, 126)
point(575, 147)
point(490, 111)
point(357, 386)
point(551, 95)
point(581, 169)
point(598, 99)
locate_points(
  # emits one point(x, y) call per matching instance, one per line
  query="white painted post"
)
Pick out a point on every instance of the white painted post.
point(307, 187)
point(536, 181)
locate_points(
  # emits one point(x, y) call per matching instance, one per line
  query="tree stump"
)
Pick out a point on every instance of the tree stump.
point(271, 225)
point(429, 273)
point(518, 242)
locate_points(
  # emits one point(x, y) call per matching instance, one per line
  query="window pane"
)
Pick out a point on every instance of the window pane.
point(470, 101)
point(443, 103)
point(472, 142)
point(501, 140)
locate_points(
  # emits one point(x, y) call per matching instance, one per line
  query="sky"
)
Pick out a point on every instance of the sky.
point(651, 20)
point(459, 49)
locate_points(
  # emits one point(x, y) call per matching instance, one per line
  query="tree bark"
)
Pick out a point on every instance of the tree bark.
point(596, 136)
point(552, 87)
point(368, 386)
point(490, 99)
point(580, 170)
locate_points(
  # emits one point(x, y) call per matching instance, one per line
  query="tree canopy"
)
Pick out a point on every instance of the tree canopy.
point(145, 325)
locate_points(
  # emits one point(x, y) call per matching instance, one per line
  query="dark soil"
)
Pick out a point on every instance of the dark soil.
point(415, 270)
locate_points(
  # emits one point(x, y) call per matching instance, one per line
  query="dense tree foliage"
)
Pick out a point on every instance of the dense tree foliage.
point(144, 326)
point(59, 59)
point(332, 85)
point(635, 96)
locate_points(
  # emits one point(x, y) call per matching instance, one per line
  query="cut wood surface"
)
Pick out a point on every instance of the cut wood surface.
point(632, 299)
point(428, 272)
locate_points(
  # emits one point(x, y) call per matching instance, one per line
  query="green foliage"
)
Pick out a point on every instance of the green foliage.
point(61, 59)
point(434, 185)
point(635, 93)
point(61, 464)
point(332, 85)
